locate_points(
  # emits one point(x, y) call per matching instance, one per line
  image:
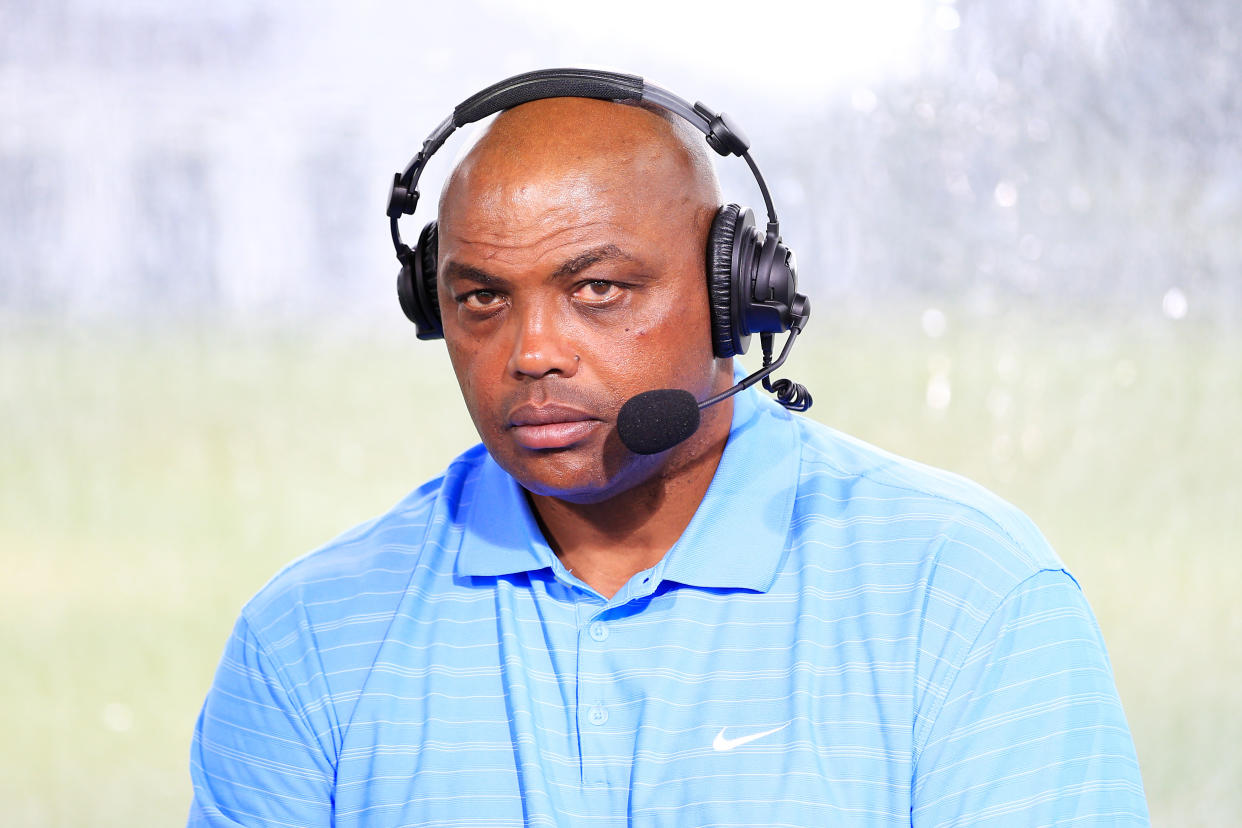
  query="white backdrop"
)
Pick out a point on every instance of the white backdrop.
point(229, 161)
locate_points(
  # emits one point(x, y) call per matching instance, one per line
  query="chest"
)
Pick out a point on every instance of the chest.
point(687, 707)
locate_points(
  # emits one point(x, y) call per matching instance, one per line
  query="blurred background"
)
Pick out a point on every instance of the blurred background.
point(1019, 224)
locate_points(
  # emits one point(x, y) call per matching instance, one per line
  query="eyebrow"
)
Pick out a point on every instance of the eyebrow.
point(572, 267)
point(457, 270)
point(579, 263)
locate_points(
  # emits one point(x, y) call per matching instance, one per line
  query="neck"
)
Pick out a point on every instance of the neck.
point(605, 544)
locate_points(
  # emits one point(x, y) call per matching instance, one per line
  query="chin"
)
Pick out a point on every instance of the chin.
point(580, 494)
point(583, 474)
point(581, 488)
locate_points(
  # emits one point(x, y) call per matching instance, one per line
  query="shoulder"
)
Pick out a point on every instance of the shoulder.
point(932, 547)
point(915, 509)
point(366, 569)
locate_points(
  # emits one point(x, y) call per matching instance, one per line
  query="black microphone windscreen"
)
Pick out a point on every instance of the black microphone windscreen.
point(655, 421)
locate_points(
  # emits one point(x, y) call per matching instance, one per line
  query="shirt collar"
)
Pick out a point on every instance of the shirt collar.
point(500, 535)
point(735, 539)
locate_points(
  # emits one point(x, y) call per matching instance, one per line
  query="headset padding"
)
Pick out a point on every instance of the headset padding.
point(720, 278)
point(428, 250)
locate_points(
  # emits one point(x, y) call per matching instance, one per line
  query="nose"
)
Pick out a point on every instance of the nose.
point(540, 346)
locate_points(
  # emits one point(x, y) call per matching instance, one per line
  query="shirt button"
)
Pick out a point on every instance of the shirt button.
point(599, 630)
point(597, 715)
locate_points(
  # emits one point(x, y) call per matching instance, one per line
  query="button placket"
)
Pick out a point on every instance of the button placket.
point(596, 694)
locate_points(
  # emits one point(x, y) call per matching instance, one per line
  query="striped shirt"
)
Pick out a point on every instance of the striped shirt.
point(840, 637)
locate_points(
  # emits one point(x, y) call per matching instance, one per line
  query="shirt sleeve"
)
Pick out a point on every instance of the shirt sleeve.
point(1031, 730)
point(256, 759)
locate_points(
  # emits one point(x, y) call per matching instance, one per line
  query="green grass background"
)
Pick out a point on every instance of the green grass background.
point(149, 484)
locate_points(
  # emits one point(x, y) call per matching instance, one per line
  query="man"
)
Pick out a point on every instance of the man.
point(768, 624)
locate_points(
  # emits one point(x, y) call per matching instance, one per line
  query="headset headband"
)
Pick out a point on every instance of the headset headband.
point(722, 134)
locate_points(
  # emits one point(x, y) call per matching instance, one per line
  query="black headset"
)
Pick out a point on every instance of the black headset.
point(751, 276)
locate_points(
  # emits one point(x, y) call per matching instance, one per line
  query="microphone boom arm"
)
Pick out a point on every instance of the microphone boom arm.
point(762, 374)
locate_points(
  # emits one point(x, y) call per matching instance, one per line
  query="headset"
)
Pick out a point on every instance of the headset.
point(751, 275)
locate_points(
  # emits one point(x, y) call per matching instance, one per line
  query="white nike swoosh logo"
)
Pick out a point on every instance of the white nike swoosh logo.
point(721, 743)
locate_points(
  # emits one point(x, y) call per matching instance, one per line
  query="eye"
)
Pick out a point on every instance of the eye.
point(480, 300)
point(597, 292)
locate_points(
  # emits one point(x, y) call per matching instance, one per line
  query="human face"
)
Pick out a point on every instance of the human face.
point(563, 293)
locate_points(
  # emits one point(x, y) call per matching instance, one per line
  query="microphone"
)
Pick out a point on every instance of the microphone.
point(655, 421)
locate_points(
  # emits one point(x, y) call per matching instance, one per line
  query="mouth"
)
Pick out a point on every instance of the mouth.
point(551, 426)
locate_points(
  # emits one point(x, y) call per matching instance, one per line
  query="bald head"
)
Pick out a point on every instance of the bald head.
point(578, 144)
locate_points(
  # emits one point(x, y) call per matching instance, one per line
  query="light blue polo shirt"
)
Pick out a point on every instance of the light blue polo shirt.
point(840, 637)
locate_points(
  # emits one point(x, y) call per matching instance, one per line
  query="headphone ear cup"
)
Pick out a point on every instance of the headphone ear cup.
point(428, 251)
point(720, 241)
point(416, 285)
point(405, 293)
